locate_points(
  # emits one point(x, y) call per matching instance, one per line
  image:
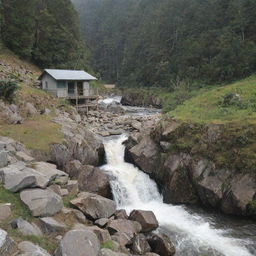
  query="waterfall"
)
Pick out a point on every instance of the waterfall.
point(193, 234)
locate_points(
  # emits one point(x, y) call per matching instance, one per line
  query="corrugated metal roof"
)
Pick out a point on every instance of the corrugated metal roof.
point(61, 74)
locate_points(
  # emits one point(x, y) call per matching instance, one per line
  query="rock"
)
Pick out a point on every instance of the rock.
point(50, 225)
point(64, 192)
point(26, 228)
point(16, 178)
point(94, 206)
point(5, 211)
point(101, 222)
point(161, 245)
point(147, 219)
point(94, 180)
point(136, 125)
point(7, 245)
point(63, 180)
point(55, 188)
point(165, 145)
point(108, 252)
point(140, 244)
point(73, 168)
point(241, 193)
point(41, 202)
point(48, 172)
point(78, 215)
point(22, 156)
point(121, 214)
point(72, 187)
point(82, 145)
point(30, 109)
point(146, 155)
point(123, 239)
point(30, 249)
point(102, 234)
point(124, 226)
point(3, 158)
point(78, 243)
point(151, 254)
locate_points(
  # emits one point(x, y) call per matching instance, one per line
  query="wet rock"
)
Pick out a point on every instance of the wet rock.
point(241, 193)
point(30, 249)
point(140, 244)
point(26, 228)
point(7, 245)
point(146, 155)
point(161, 244)
point(147, 219)
point(94, 206)
point(78, 243)
point(5, 211)
point(124, 226)
point(41, 202)
point(94, 180)
point(50, 225)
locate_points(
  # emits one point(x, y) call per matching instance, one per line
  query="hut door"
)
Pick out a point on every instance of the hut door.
point(71, 88)
point(86, 89)
point(80, 89)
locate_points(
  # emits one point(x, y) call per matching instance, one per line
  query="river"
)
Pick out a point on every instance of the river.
point(194, 231)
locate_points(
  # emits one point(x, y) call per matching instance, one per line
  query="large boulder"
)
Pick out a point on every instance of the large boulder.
point(161, 244)
point(7, 245)
point(42, 202)
point(82, 145)
point(146, 155)
point(147, 219)
point(124, 226)
point(94, 180)
point(16, 177)
point(80, 242)
point(94, 206)
point(241, 194)
point(29, 249)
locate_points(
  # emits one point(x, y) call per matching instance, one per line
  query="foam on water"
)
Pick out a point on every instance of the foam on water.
point(133, 189)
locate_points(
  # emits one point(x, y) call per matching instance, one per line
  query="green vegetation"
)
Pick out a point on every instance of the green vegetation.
point(8, 88)
point(252, 206)
point(108, 245)
point(233, 102)
point(160, 43)
point(36, 133)
point(20, 210)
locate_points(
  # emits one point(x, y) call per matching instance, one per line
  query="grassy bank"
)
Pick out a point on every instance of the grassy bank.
point(234, 102)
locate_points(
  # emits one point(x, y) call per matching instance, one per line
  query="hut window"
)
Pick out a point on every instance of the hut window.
point(46, 84)
point(61, 84)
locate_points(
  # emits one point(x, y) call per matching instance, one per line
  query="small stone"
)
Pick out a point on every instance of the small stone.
point(26, 228)
point(24, 157)
point(101, 222)
point(7, 245)
point(30, 249)
point(72, 187)
point(5, 211)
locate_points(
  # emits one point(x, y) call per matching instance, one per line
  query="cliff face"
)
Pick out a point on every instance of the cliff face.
point(209, 163)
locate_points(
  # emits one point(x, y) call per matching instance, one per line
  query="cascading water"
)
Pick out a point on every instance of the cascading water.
point(193, 234)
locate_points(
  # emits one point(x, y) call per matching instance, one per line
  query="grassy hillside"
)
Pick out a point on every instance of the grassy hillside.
point(36, 132)
point(232, 102)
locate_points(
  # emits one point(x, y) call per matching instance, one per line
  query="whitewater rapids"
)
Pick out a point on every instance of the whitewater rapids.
point(133, 189)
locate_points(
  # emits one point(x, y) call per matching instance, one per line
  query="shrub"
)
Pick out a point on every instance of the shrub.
point(8, 89)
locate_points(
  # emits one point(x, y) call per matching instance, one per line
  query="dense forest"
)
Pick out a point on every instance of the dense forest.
point(163, 42)
point(44, 31)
